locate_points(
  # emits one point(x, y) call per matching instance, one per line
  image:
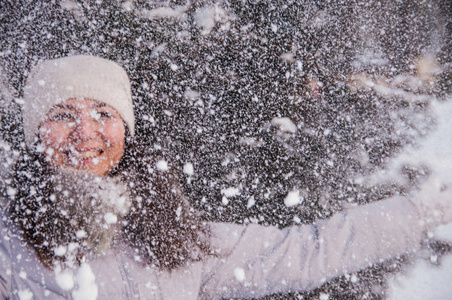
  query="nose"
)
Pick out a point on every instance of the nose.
point(85, 128)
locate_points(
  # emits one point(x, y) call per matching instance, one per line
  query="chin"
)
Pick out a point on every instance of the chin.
point(88, 166)
point(67, 169)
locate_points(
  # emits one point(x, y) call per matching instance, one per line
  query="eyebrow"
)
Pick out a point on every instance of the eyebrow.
point(70, 106)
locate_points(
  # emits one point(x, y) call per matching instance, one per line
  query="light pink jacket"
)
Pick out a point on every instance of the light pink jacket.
point(253, 260)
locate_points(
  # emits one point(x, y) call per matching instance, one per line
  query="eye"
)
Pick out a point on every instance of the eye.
point(105, 114)
point(62, 116)
point(97, 115)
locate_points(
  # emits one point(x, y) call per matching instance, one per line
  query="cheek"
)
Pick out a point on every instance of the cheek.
point(114, 134)
point(53, 135)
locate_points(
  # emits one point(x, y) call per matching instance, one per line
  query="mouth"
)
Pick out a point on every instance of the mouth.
point(84, 155)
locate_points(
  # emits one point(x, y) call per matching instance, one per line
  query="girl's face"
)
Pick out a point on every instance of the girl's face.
point(83, 134)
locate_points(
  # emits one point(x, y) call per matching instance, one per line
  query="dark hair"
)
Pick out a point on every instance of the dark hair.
point(160, 225)
point(173, 233)
point(31, 180)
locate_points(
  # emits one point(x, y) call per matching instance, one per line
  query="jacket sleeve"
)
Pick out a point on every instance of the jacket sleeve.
point(253, 261)
point(5, 262)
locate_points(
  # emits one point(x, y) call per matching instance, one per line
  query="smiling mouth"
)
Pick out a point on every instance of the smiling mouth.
point(84, 153)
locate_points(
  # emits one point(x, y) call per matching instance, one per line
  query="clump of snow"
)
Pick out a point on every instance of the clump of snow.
point(69, 5)
point(72, 247)
point(165, 12)
point(86, 286)
point(208, 16)
point(178, 211)
point(11, 192)
point(288, 57)
point(162, 165)
point(49, 151)
point(224, 200)
point(65, 279)
point(370, 58)
point(25, 294)
point(157, 50)
point(127, 6)
point(60, 250)
point(239, 274)
point(230, 192)
point(188, 169)
point(274, 28)
point(293, 198)
point(120, 203)
point(250, 202)
point(324, 296)
point(23, 274)
point(191, 94)
point(285, 124)
point(110, 218)
point(205, 18)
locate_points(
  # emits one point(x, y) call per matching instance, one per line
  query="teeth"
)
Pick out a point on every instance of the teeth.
point(86, 154)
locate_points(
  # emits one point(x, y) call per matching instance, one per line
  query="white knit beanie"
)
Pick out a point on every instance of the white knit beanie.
point(81, 76)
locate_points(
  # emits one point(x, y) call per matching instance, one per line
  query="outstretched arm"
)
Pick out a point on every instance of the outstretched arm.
point(255, 261)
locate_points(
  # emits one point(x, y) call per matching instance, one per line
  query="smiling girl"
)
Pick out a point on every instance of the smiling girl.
point(90, 200)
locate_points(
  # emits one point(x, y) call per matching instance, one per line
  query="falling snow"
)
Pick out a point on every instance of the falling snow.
point(279, 113)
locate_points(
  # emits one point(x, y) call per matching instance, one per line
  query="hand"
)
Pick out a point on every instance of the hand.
point(434, 202)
